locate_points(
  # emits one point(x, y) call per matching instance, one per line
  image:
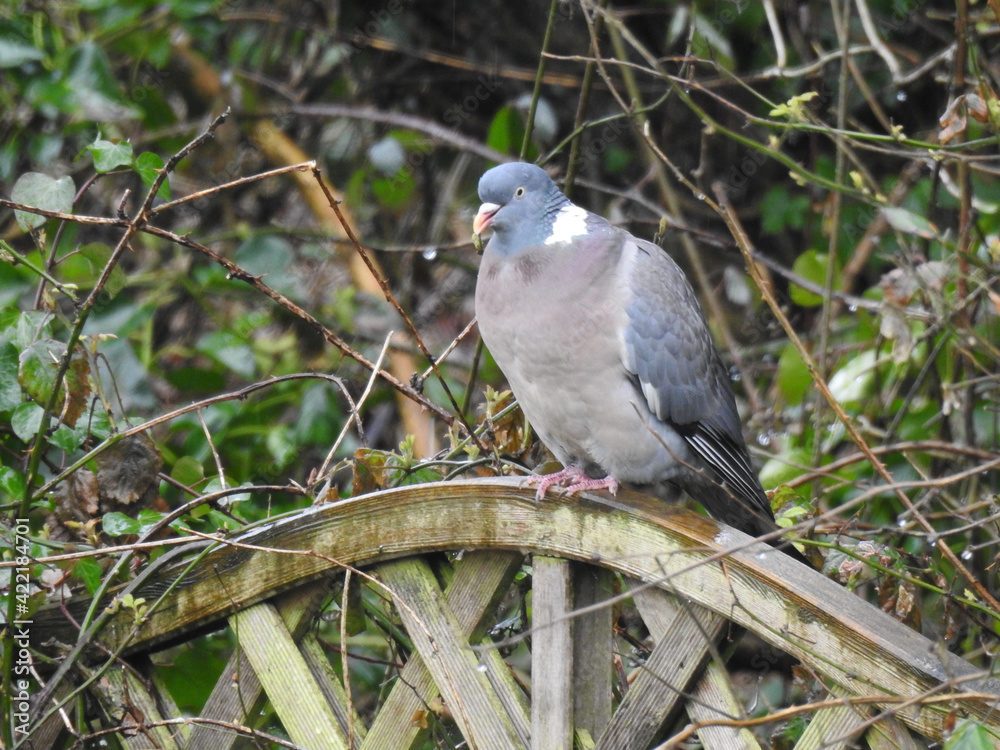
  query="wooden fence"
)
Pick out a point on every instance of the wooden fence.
point(887, 685)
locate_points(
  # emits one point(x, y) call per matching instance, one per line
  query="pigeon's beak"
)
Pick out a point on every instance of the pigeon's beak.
point(486, 213)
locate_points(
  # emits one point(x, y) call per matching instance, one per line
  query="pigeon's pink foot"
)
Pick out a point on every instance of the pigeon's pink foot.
point(572, 479)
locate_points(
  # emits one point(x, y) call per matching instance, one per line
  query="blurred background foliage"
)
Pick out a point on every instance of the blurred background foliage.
point(857, 144)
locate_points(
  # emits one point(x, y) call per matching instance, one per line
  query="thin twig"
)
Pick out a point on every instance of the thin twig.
point(391, 298)
point(736, 228)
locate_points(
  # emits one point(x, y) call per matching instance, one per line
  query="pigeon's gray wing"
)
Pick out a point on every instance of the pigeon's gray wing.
point(669, 351)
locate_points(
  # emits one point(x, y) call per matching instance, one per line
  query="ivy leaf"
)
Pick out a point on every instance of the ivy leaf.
point(148, 166)
point(41, 191)
point(909, 223)
point(506, 131)
point(11, 482)
point(10, 392)
point(38, 367)
point(810, 265)
point(968, 735)
point(118, 524)
point(88, 570)
point(26, 420)
point(98, 254)
point(109, 155)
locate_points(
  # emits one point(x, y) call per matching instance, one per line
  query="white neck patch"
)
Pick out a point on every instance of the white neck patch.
point(570, 222)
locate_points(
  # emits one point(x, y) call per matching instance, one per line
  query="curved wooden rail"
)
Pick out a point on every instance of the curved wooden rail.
point(862, 651)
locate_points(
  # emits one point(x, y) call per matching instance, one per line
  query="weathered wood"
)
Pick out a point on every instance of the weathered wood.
point(165, 701)
point(479, 582)
point(551, 655)
point(328, 681)
point(125, 699)
point(833, 728)
point(44, 736)
point(712, 697)
point(444, 648)
point(788, 605)
point(286, 678)
point(238, 692)
point(593, 647)
point(892, 734)
point(712, 700)
point(684, 637)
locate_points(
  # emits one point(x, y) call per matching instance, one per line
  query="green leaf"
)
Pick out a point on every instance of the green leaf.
point(228, 349)
point(118, 524)
point(708, 42)
point(39, 365)
point(109, 155)
point(852, 383)
point(26, 420)
point(69, 439)
point(780, 211)
point(98, 254)
point(148, 518)
point(93, 89)
point(41, 191)
point(215, 484)
point(909, 223)
point(10, 391)
point(506, 132)
point(88, 570)
point(395, 192)
point(12, 482)
point(148, 166)
point(784, 467)
point(968, 735)
point(15, 52)
point(793, 376)
point(811, 266)
point(188, 471)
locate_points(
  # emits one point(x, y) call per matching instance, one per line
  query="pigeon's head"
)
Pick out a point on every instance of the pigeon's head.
point(520, 204)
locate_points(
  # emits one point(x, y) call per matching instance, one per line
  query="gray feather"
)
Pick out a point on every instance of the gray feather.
point(605, 347)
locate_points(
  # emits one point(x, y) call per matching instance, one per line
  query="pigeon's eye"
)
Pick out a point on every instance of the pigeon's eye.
point(519, 193)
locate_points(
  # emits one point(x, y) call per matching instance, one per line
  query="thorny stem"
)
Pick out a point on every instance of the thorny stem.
point(335, 205)
point(38, 448)
point(536, 92)
point(735, 227)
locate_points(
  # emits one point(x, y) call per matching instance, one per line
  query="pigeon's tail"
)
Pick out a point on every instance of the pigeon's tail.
point(724, 504)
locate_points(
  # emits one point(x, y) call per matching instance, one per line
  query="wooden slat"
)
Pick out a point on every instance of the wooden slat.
point(168, 707)
point(684, 637)
point(551, 655)
point(713, 699)
point(838, 728)
point(788, 605)
point(833, 728)
point(713, 696)
point(892, 734)
point(286, 679)
point(593, 648)
point(238, 693)
point(125, 699)
point(479, 582)
point(328, 680)
point(444, 648)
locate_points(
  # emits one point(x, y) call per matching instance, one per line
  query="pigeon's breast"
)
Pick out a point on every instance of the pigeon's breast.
point(552, 319)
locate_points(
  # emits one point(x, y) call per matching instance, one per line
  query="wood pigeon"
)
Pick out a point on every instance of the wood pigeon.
point(607, 350)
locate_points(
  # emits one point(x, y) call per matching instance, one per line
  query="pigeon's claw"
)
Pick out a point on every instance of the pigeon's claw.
point(572, 479)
